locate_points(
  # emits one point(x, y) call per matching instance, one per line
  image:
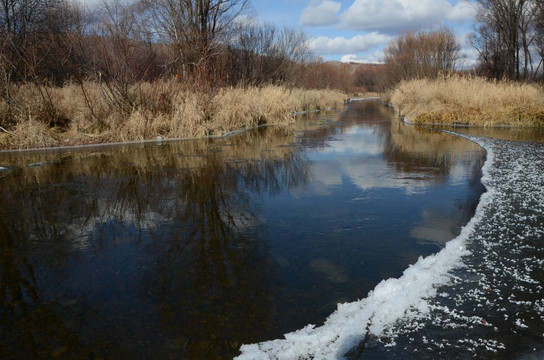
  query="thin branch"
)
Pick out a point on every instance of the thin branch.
point(8, 132)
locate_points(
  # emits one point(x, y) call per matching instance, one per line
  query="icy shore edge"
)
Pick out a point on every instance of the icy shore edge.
point(391, 300)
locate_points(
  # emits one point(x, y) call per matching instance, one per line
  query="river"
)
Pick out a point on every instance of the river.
point(191, 249)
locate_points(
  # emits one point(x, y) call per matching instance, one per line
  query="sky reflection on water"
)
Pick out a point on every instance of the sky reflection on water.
point(189, 249)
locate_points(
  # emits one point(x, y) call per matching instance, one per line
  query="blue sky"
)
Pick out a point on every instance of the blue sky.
point(358, 30)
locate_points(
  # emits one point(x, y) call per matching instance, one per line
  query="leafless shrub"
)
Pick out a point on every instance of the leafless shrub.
point(421, 54)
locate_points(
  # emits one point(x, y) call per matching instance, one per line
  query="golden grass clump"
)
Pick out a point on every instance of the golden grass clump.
point(32, 134)
point(96, 112)
point(238, 108)
point(471, 101)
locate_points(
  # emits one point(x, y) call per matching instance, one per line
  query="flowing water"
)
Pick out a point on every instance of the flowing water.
point(190, 249)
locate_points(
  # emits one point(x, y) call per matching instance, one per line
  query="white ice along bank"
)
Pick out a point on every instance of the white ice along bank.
point(390, 301)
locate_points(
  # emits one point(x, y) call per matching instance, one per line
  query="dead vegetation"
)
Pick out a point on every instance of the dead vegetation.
point(121, 71)
point(470, 100)
point(74, 114)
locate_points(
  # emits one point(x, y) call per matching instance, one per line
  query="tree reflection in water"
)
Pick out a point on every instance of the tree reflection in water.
point(172, 226)
point(167, 250)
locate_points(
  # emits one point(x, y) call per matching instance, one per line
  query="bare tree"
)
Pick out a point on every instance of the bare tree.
point(266, 54)
point(32, 33)
point(539, 35)
point(196, 28)
point(421, 54)
point(35, 47)
point(506, 34)
point(249, 50)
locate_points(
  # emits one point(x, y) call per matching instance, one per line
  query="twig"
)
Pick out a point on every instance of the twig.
point(9, 132)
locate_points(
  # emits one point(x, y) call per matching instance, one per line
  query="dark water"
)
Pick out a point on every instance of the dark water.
point(190, 249)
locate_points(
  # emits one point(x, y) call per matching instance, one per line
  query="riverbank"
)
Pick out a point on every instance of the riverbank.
point(95, 113)
point(457, 100)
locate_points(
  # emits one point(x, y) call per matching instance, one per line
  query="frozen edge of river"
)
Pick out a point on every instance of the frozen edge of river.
point(390, 301)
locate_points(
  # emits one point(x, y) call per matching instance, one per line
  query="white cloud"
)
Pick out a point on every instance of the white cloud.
point(320, 13)
point(462, 11)
point(367, 58)
point(350, 58)
point(468, 58)
point(324, 45)
point(401, 15)
point(468, 55)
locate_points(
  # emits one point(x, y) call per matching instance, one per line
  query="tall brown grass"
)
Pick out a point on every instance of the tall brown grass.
point(94, 113)
point(470, 100)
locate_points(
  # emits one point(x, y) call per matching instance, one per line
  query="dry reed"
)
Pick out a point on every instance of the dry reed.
point(470, 100)
point(95, 113)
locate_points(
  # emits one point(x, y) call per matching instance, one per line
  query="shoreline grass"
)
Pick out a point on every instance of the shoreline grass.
point(92, 113)
point(463, 100)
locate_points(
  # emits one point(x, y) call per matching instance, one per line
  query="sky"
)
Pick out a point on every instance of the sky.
point(358, 30)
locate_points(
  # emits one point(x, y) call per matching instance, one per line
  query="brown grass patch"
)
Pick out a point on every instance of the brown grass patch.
point(470, 100)
point(94, 113)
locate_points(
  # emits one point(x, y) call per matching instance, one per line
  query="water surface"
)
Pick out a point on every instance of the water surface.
point(493, 306)
point(191, 249)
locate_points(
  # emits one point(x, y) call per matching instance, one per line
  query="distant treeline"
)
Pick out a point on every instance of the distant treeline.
point(106, 58)
point(219, 43)
point(201, 42)
point(124, 42)
point(78, 69)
